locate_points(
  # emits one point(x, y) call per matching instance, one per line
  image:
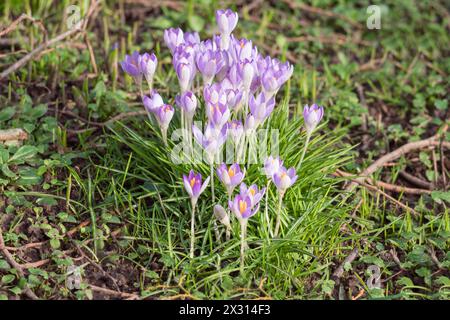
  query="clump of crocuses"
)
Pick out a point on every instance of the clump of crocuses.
point(234, 86)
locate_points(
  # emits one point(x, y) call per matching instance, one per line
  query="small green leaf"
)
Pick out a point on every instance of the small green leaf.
point(8, 278)
point(24, 153)
point(7, 113)
point(196, 22)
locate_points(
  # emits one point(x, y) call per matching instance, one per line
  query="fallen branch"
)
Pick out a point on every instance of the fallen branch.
point(415, 180)
point(10, 259)
point(13, 135)
point(114, 293)
point(391, 156)
point(22, 17)
point(337, 274)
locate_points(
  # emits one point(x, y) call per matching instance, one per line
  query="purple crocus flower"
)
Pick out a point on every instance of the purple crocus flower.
point(154, 102)
point(235, 130)
point(230, 177)
point(226, 21)
point(131, 65)
point(243, 49)
point(253, 192)
point(241, 206)
point(164, 115)
point(191, 37)
point(284, 178)
point(247, 72)
point(173, 38)
point(272, 165)
point(260, 107)
point(209, 63)
point(185, 73)
point(193, 185)
point(188, 102)
point(274, 77)
point(148, 66)
point(312, 116)
point(218, 114)
point(214, 94)
point(212, 140)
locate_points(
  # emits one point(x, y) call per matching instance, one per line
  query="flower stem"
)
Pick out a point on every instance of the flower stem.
point(192, 229)
point(213, 198)
point(266, 209)
point(243, 243)
point(164, 135)
point(308, 136)
point(280, 201)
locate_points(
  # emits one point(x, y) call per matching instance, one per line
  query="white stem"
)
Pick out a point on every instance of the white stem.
point(280, 201)
point(308, 136)
point(192, 229)
point(243, 242)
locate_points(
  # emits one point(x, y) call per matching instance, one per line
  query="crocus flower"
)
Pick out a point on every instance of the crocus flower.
point(218, 114)
point(242, 207)
point(246, 71)
point(275, 76)
point(185, 75)
point(272, 165)
point(261, 107)
point(131, 65)
point(164, 115)
point(212, 140)
point(193, 185)
point(235, 130)
point(209, 63)
point(173, 38)
point(284, 178)
point(153, 102)
point(230, 177)
point(191, 37)
point(253, 192)
point(148, 66)
point(214, 94)
point(312, 116)
point(226, 21)
point(188, 102)
point(222, 216)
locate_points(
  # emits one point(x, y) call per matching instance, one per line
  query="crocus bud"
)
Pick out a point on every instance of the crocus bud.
point(284, 178)
point(154, 102)
point(272, 165)
point(173, 38)
point(226, 21)
point(221, 215)
point(184, 73)
point(247, 72)
point(312, 116)
point(188, 102)
point(164, 115)
point(148, 66)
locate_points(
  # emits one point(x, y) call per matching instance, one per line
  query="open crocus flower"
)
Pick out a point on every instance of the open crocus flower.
point(260, 107)
point(253, 192)
point(131, 65)
point(284, 178)
point(193, 185)
point(312, 116)
point(148, 66)
point(235, 130)
point(209, 63)
point(218, 114)
point(231, 176)
point(272, 165)
point(212, 140)
point(173, 38)
point(242, 207)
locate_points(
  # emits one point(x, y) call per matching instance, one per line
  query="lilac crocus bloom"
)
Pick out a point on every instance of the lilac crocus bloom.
point(247, 72)
point(274, 77)
point(191, 37)
point(272, 165)
point(243, 49)
point(242, 207)
point(185, 74)
point(253, 192)
point(212, 140)
point(209, 63)
point(230, 177)
point(193, 185)
point(214, 94)
point(312, 116)
point(154, 102)
point(218, 114)
point(131, 65)
point(148, 66)
point(284, 178)
point(188, 102)
point(164, 115)
point(226, 21)
point(173, 38)
point(235, 130)
point(260, 107)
